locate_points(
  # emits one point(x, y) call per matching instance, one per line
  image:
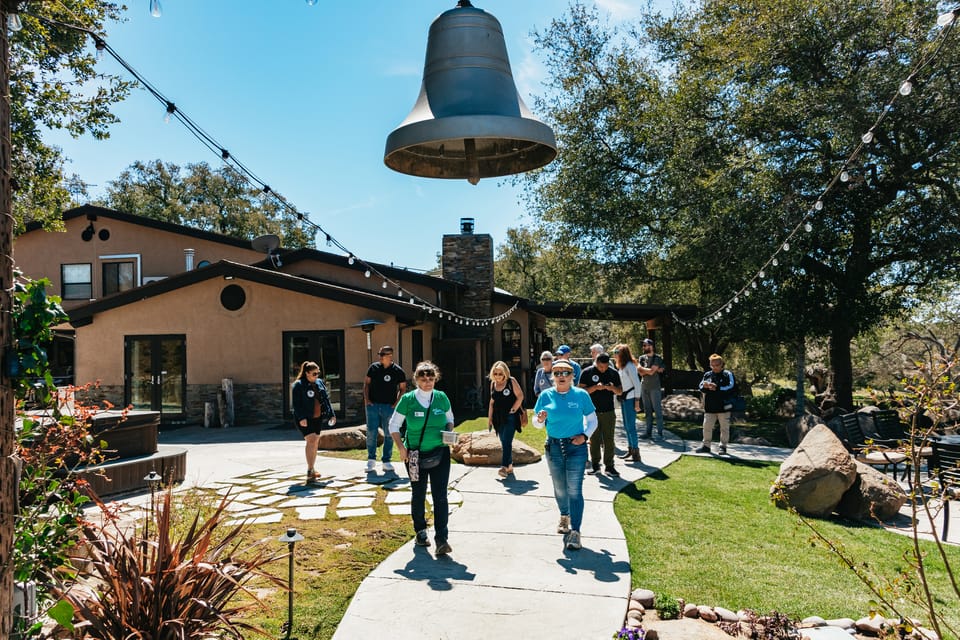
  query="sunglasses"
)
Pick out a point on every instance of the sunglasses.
point(563, 374)
point(498, 375)
point(313, 373)
point(427, 375)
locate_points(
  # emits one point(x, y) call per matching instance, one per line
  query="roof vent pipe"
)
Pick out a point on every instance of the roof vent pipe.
point(188, 259)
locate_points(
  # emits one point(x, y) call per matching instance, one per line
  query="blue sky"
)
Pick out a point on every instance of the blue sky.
point(305, 97)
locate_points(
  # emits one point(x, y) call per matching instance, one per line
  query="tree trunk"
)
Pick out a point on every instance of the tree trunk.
point(8, 484)
point(842, 364)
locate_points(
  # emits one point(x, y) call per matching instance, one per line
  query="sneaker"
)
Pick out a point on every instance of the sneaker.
point(311, 476)
point(443, 548)
point(722, 450)
point(371, 465)
point(422, 540)
point(503, 472)
point(702, 449)
point(593, 470)
point(564, 526)
point(573, 540)
point(387, 467)
point(612, 472)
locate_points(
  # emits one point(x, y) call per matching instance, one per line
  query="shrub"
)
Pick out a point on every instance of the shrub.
point(168, 585)
point(668, 607)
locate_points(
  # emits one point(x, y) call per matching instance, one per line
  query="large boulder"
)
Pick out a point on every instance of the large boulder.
point(346, 438)
point(816, 475)
point(797, 427)
point(483, 448)
point(872, 495)
point(683, 405)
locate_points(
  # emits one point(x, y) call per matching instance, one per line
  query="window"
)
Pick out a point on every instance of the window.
point(77, 281)
point(510, 338)
point(117, 276)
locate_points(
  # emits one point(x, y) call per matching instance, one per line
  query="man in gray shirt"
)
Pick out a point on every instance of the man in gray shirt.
point(649, 367)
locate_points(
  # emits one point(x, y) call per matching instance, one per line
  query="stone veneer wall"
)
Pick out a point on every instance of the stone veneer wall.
point(253, 403)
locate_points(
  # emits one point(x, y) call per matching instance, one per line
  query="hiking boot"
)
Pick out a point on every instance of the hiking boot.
point(387, 467)
point(443, 548)
point(593, 470)
point(702, 449)
point(612, 472)
point(422, 540)
point(635, 453)
point(371, 465)
point(564, 526)
point(573, 540)
point(722, 450)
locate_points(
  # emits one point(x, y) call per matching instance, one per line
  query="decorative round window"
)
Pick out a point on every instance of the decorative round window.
point(233, 297)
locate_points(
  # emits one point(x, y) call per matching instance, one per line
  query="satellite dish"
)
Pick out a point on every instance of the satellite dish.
point(266, 244)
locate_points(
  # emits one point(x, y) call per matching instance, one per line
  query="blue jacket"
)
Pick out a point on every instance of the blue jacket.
point(305, 395)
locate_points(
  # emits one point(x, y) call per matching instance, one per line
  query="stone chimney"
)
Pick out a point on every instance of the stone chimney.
point(468, 259)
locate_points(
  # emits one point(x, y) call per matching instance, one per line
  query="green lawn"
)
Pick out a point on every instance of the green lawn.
point(705, 530)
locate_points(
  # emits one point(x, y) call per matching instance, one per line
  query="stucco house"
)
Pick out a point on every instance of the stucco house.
point(160, 314)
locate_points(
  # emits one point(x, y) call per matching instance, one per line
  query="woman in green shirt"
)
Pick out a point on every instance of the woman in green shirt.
point(428, 414)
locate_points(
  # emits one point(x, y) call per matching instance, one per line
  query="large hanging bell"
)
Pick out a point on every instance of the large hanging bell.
point(469, 121)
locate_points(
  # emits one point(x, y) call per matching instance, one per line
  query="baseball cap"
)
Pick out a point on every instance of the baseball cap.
point(647, 341)
point(564, 349)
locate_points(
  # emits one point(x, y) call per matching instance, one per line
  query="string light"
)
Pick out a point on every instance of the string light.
point(906, 88)
point(13, 22)
point(155, 10)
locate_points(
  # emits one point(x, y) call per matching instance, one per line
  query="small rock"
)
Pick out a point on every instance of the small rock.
point(636, 606)
point(690, 610)
point(342, 547)
point(743, 615)
point(844, 623)
point(871, 624)
point(726, 615)
point(707, 613)
point(633, 624)
point(927, 634)
point(643, 596)
point(814, 621)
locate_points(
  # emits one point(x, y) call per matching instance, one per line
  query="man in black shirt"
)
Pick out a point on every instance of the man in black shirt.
point(384, 384)
point(602, 382)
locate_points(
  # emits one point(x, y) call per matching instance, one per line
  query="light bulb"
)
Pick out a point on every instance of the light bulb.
point(818, 205)
point(867, 137)
point(736, 299)
point(399, 293)
point(366, 274)
point(351, 259)
point(155, 8)
point(844, 176)
point(747, 291)
point(310, 3)
point(13, 22)
point(762, 274)
point(906, 88)
point(774, 262)
point(171, 109)
point(786, 246)
point(945, 18)
point(384, 285)
point(808, 227)
point(411, 301)
point(753, 284)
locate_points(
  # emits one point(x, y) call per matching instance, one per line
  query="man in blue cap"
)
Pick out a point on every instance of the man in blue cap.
point(563, 353)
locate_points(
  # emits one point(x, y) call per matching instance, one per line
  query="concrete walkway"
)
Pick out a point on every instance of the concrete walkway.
point(509, 574)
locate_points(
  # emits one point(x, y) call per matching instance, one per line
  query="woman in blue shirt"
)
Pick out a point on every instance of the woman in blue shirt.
point(570, 418)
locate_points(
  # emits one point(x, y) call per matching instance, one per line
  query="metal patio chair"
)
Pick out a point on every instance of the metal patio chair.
point(945, 465)
point(875, 452)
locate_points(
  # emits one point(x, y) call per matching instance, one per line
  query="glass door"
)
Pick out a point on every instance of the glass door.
point(326, 349)
point(155, 374)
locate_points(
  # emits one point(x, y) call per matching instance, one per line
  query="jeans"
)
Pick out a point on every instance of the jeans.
point(378, 417)
point(566, 462)
point(651, 405)
point(439, 477)
point(629, 411)
point(603, 436)
point(507, 431)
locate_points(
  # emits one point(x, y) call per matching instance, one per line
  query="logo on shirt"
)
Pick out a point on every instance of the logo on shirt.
point(310, 393)
point(386, 378)
point(573, 405)
point(506, 392)
point(596, 378)
point(438, 412)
